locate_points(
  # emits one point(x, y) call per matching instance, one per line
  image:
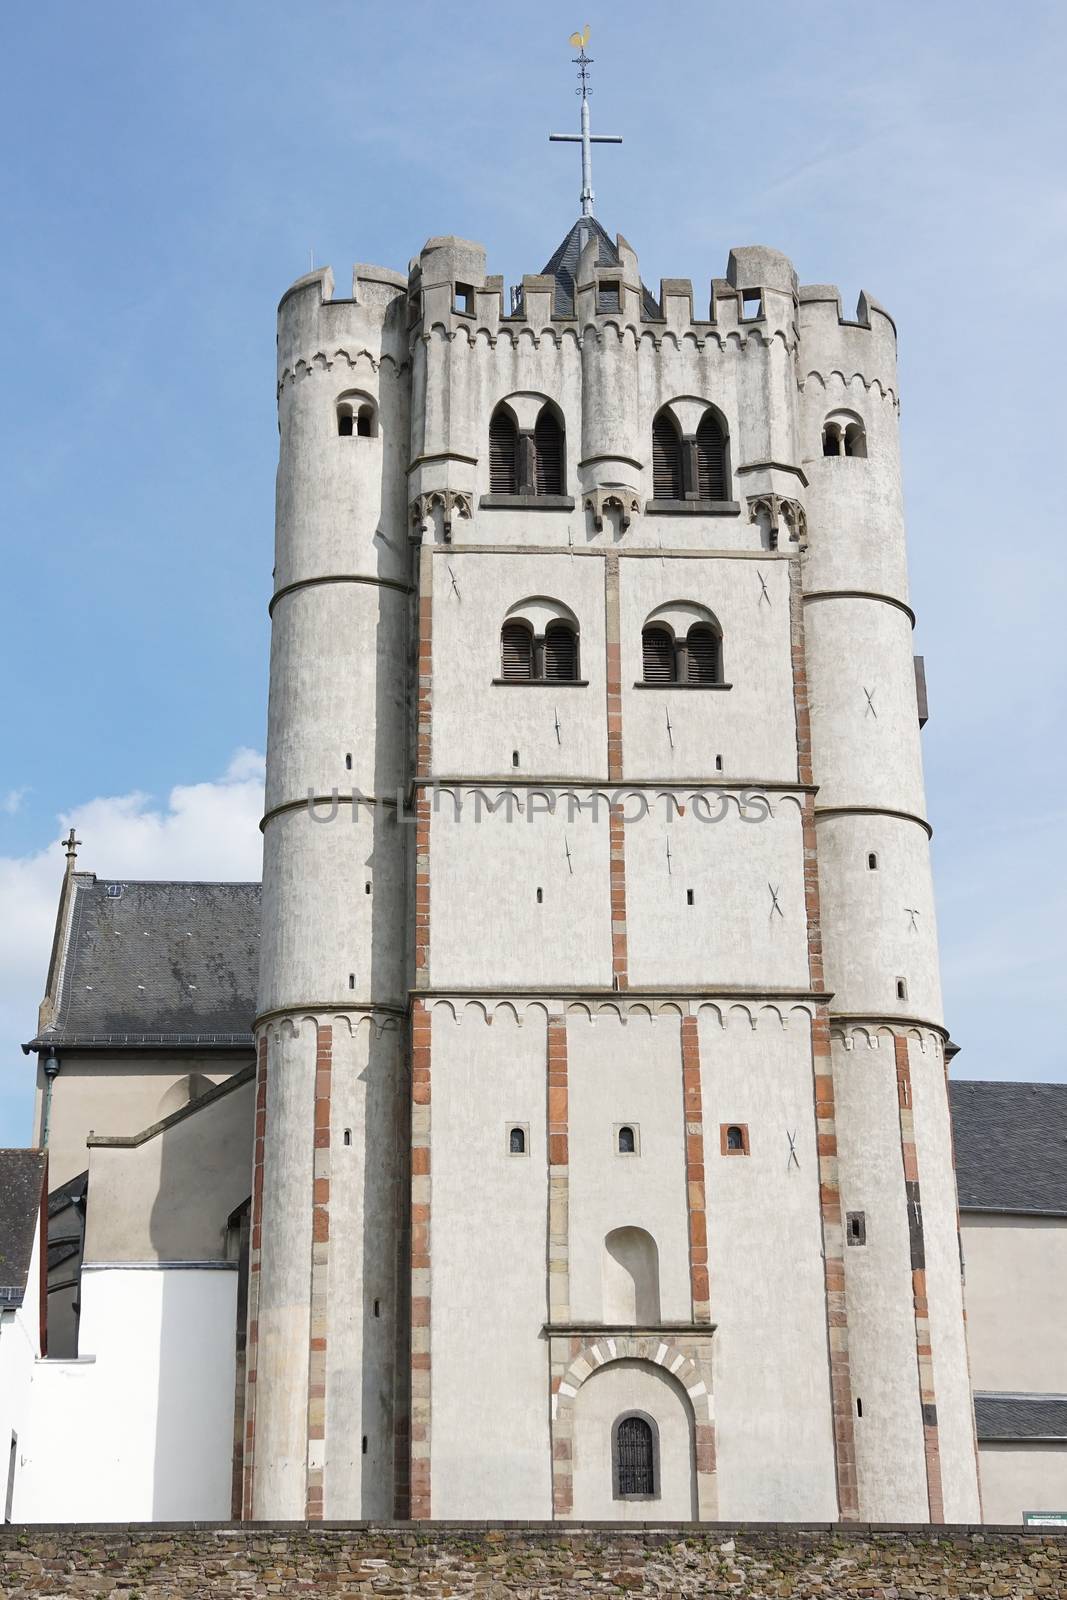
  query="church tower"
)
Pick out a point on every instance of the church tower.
point(602, 1161)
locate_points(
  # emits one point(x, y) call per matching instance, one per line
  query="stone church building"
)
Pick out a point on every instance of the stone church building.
point(564, 1131)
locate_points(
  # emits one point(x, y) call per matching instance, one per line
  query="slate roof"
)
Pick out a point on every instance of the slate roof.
point(563, 264)
point(1021, 1416)
point(21, 1185)
point(1011, 1146)
point(158, 963)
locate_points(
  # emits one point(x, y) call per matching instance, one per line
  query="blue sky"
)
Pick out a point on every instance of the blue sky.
point(169, 170)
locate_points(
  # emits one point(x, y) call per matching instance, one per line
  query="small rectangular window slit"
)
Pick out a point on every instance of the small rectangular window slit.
point(902, 989)
point(348, 1136)
point(364, 1444)
point(856, 1227)
point(377, 1308)
point(348, 762)
point(514, 758)
point(859, 1406)
point(366, 888)
point(540, 897)
point(351, 980)
point(689, 897)
point(718, 763)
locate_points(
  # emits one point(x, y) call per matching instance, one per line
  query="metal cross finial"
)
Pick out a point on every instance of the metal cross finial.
point(70, 845)
point(585, 138)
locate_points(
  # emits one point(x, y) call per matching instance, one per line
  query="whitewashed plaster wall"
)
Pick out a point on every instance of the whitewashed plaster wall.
point(612, 1391)
point(20, 1348)
point(774, 1438)
point(1016, 1294)
point(491, 1447)
point(141, 1427)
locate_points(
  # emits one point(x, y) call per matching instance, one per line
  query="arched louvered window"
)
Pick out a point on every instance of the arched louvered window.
point(548, 453)
point(503, 453)
point(703, 654)
point(516, 653)
point(365, 422)
point(667, 481)
point(561, 653)
point(711, 458)
point(657, 651)
point(831, 440)
point(344, 420)
point(635, 1458)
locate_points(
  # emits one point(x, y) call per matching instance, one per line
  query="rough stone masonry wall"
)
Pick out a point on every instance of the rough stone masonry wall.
point(510, 1562)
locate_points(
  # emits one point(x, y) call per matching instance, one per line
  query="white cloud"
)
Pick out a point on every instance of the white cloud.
point(12, 800)
point(203, 830)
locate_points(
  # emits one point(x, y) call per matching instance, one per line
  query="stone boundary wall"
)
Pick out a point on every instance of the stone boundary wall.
point(501, 1561)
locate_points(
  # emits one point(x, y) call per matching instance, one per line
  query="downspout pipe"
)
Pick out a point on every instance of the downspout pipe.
point(51, 1073)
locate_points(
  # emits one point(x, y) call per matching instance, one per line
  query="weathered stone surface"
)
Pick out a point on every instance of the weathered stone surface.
point(541, 1561)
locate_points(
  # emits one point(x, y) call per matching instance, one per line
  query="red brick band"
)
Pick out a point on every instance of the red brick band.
point(558, 1119)
point(617, 883)
point(255, 1263)
point(823, 1091)
point(924, 1355)
point(320, 1263)
point(419, 1424)
point(694, 1173)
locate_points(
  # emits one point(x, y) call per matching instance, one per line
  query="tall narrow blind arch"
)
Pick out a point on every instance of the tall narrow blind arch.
point(703, 654)
point(516, 653)
point(561, 653)
point(666, 460)
point(503, 454)
point(657, 652)
point(711, 458)
point(548, 448)
point(635, 1468)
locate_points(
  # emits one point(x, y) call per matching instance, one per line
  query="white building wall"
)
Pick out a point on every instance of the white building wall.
point(626, 1073)
point(1016, 1294)
point(881, 1322)
point(1021, 1478)
point(492, 1452)
point(141, 1427)
point(20, 1347)
point(944, 1282)
point(774, 1439)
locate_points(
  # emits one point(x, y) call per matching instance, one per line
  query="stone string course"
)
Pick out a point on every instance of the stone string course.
point(541, 1561)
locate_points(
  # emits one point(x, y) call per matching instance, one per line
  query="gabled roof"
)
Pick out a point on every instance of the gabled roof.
point(1021, 1416)
point(157, 963)
point(1011, 1146)
point(563, 264)
point(22, 1176)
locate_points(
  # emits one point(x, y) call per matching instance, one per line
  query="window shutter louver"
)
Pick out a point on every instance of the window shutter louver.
point(702, 648)
point(666, 461)
point(503, 454)
point(711, 459)
point(636, 1457)
point(516, 653)
point(548, 443)
point(657, 648)
point(561, 653)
